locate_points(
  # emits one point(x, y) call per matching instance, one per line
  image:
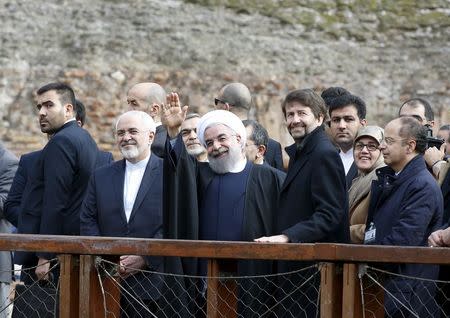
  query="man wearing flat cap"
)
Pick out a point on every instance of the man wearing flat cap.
point(236, 98)
point(226, 199)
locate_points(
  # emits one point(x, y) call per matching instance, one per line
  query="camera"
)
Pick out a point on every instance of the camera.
point(433, 141)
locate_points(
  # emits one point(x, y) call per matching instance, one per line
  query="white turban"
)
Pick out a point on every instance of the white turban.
point(223, 117)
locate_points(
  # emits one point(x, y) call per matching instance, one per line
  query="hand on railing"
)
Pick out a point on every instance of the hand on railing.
point(130, 264)
point(273, 239)
point(42, 269)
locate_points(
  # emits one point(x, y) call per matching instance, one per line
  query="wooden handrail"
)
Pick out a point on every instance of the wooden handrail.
point(87, 245)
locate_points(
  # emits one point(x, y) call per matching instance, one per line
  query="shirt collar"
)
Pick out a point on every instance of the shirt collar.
point(138, 165)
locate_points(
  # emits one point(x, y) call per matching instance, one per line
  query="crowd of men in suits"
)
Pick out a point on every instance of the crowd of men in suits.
point(219, 176)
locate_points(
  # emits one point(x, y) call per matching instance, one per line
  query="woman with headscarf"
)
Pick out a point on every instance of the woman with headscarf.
point(367, 158)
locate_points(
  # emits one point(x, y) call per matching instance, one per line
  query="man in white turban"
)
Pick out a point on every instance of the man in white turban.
point(226, 199)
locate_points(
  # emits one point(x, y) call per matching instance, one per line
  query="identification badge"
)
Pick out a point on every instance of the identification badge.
point(370, 234)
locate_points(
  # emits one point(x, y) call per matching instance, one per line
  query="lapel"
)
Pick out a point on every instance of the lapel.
point(297, 162)
point(352, 173)
point(299, 157)
point(147, 181)
point(118, 179)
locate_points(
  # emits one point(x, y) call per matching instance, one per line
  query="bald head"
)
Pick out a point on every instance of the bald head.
point(147, 97)
point(234, 97)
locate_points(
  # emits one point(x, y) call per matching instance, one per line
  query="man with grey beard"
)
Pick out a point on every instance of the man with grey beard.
point(190, 138)
point(124, 200)
point(226, 199)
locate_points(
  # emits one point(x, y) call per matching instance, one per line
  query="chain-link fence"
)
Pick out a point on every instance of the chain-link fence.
point(386, 293)
point(154, 294)
point(28, 297)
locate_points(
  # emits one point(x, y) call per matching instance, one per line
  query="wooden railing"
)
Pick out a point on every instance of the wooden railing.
point(79, 288)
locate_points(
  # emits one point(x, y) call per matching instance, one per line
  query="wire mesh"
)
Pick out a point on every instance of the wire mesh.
point(34, 298)
point(156, 294)
point(386, 293)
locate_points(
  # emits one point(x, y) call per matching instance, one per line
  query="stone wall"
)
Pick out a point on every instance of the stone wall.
point(382, 50)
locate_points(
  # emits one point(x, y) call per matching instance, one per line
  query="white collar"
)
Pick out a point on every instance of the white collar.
point(138, 165)
point(239, 167)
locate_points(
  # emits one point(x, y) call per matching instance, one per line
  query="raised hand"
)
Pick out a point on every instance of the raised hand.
point(173, 115)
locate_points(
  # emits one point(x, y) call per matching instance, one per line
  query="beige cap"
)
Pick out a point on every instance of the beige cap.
point(370, 131)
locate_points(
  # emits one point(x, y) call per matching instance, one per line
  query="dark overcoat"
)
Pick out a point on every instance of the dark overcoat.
point(405, 209)
point(313, 208)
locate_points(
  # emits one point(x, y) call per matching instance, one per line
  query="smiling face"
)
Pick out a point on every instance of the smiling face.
point(224, 148)
point(366, 153)
point(300, 120)
point(133, 138)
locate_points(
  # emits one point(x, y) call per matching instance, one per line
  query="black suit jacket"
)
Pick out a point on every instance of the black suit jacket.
point(351, 174)
point(273, 154)
point(313, 199)
point(159, 143)
point(103, 214)
point(59, 181)
point(104, 158)
point(20, 187)
point(445, 188)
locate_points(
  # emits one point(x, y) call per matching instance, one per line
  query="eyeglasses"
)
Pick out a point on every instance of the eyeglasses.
point(217, 101)
point(390, 141)
point(132, 132)
point(359, 146)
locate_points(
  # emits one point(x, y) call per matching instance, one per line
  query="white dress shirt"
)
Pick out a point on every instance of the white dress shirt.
point(133, 178)
point(347, 159)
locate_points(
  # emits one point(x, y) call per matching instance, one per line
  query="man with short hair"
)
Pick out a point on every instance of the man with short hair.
point(190, 138)
point(80, 112)
point(149, 97)
point(227, 199)
point(405, 208)
point(347, 115)
point(135, 213)
point(62, 171)
point(418, 108)
point(257, 139)
point(236, 98)
point(313, 204)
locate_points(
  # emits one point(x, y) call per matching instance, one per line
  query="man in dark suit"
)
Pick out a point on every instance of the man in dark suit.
point(17, 197)
point(125, 200)
point(149, 97)
point(60, 177)
point(20, 190)
point(257, 140)
point(236, 98)
point(347, 114)
point(405, 207)
point(313, 204)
